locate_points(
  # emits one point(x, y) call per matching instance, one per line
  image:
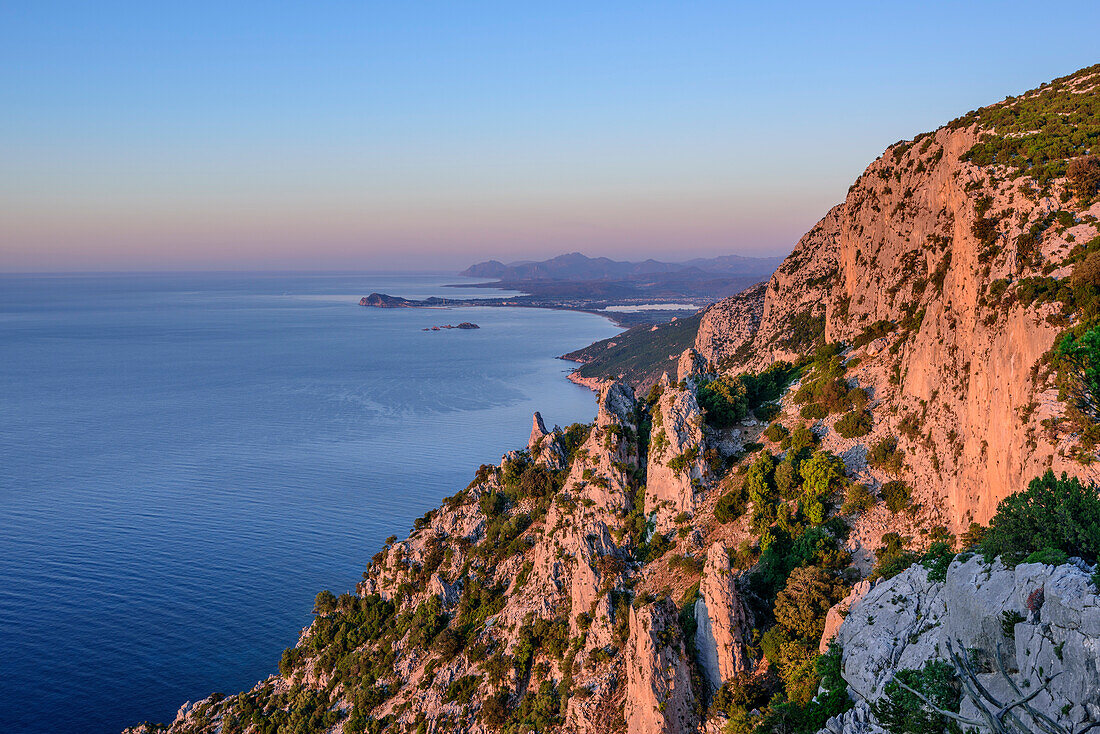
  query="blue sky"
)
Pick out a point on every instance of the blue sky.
point(393, 135)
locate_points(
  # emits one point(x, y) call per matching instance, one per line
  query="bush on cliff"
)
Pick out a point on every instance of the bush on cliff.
point(858, 499)
point(854, 424)
point(829, 697)
point(802, 604)
point(897, 495)
point(724, 400)
point(1058, 513)
point(1084, 175)
point(891, 558)
point(1080, 354)
point(885, 455)
point(900, 712)
point(822, 476)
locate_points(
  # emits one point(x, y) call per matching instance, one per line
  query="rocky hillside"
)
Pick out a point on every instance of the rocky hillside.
point(819, 466)
point(947, 270)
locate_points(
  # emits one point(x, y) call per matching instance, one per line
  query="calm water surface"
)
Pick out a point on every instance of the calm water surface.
point(185, 460)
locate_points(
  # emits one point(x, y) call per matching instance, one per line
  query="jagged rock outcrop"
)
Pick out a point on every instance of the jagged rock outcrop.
point(538, 430)
point(610, 452)
point(690, 366)
point(908, 620)
point(721, 621)
point(676, 467)
point(659, 697)
point(727, 328)
point(545, 447)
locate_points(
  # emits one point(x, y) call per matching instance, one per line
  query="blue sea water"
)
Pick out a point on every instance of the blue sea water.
point(185, 460)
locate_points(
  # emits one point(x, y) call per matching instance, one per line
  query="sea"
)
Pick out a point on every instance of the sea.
point(187, 459)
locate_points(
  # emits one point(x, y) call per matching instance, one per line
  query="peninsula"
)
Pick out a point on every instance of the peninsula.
point(628, 293)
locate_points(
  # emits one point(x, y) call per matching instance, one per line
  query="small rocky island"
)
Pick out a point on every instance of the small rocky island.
point(381, 300)
point(463, 325)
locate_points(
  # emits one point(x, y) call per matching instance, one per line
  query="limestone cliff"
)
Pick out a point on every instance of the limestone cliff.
point(659, 699)
point(926, 266)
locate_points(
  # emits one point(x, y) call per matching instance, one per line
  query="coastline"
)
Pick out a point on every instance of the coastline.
point(592, 383)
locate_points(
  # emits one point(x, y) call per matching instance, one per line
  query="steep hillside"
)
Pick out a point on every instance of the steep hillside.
point(685, 562)
point(946, 268)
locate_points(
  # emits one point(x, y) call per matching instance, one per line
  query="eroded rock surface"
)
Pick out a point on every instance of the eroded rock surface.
point(903, 622)
point(721, 621)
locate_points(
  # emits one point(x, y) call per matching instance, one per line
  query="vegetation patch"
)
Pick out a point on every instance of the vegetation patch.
point(854, 424)
point(1036, 134)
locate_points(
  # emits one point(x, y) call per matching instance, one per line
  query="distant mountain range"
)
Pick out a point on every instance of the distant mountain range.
point(576, 266)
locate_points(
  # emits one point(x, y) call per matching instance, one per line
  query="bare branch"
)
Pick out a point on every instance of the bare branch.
point(999, 717)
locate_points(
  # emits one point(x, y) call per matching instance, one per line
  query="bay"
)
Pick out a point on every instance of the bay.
point(186, 459)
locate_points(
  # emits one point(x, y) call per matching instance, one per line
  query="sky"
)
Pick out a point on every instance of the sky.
point(424, 135)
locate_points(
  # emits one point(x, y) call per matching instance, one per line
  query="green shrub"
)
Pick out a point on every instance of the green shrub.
point(759, 487)
point(766, 412)
point(937, 560)
point(1080, 355)
point(574, 437)
point(872, 332)
point(782, 553)
point(725, 401)
point(449, 643)
point(858, 499)
point(325, 603)
point(813, 691)
point(730, 506)
point(858, 397)
point(801, 438)
point(776, 432)
point(802, 604)
point(494, 710)
point(463, 689)
point(682, 463)
point(885, 455)
point(788, 482)
point(1048, 556)
point(972, 537)
point(814, 411)
point(1052, 514)
point(897, 495)
point(900, 712)
point(854, 424)
point(1083, 175)
point(743, 692)
point(1009, 619)
point(822, 475)
point(891, 558)
point(536, 712)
